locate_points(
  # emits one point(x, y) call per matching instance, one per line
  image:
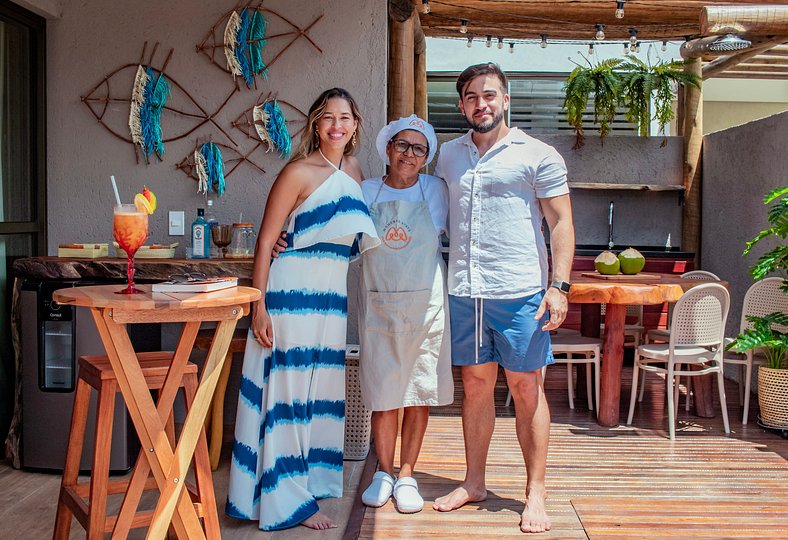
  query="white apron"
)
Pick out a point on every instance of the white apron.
point(405, 341)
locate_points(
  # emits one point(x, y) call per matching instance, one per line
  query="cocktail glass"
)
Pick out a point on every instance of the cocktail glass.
point(130, 228)
point(221, 235)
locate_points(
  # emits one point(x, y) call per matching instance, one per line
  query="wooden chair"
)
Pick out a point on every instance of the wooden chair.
point(578, 350)
point(696, 338)
point(96, 372)
point(216, 412)
point(763, 297)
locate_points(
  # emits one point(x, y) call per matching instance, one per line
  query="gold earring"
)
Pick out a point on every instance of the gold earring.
point(355, 140)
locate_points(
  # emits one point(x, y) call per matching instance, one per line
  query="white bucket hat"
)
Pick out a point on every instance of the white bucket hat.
point(410, 122)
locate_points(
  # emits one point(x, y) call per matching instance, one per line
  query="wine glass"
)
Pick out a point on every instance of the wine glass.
point(130, 228)
point(221, 235)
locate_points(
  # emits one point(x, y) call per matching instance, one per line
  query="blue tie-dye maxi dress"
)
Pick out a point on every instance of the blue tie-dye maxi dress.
point(289, 428)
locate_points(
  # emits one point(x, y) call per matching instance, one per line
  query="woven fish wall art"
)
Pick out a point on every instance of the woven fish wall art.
point(271, 126)
point(148, 97)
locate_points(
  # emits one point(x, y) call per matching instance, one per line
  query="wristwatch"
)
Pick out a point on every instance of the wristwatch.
point(562, 286)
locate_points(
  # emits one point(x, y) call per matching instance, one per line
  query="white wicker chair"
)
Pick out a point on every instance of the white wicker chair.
point(657, 335)
point(578, 350)
point(697, 337)
point(763, 297)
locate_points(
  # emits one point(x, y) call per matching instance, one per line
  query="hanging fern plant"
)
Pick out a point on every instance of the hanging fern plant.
point(640, 80)
point(604, 82)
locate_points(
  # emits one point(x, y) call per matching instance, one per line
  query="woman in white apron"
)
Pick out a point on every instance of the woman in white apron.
point(405, 343)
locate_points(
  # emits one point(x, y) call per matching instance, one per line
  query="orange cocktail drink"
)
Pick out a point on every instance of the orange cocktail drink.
point(130, 228)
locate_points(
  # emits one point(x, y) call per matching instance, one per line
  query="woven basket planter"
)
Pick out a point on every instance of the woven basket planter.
point(773, 396)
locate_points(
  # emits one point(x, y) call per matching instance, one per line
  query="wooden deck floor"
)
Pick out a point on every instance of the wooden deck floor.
point(624, 482)
point(621, 482)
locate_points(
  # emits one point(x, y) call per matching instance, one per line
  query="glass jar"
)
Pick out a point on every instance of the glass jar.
point(243, 241)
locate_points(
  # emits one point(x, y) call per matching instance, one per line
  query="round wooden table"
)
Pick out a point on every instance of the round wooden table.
point(617, 292)
point(112, 312)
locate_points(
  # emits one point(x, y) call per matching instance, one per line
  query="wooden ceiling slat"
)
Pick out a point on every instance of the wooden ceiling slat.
point(575, 20)
point(750, 75)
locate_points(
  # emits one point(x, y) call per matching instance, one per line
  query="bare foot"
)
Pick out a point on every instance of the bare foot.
point(319, 521)
point(534, 518)
point(459, 497)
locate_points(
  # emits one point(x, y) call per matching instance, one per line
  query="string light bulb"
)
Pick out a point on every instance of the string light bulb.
point(500, 42)
point(590, 49)
point(543, 44)
point(637, 47)
point(470, 42)
point(600, 32)
point(511, 48)
point(619, 10)
point(425, 6)
point(633, 36)
point(463, 26)
point(664, 47)
point(488, 43)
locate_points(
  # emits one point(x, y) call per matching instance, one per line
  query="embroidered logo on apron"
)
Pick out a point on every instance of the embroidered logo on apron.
point(397, 234)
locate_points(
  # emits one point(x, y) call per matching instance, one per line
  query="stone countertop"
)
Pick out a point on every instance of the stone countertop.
point(51, 268)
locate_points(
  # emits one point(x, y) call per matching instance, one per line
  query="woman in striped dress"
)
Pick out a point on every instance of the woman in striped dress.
point(289, 428)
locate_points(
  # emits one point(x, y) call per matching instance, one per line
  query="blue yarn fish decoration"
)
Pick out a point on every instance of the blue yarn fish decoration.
point(277, 128)
point(244, 39)
point(148, 98)
point(210, 169)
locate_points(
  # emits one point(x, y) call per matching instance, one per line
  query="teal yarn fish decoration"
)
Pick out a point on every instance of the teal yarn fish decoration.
point(244, 40)
point(148, 97)
point(256, 44)
point(271, 126)
point(210, 169)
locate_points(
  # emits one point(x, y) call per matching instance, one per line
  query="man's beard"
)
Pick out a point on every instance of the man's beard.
point(485, 127)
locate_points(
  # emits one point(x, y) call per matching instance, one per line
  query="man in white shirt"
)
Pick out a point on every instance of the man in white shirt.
point(502, 183)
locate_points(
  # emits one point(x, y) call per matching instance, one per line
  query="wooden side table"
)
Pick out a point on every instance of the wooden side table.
point(112, 312)
point(591, 292)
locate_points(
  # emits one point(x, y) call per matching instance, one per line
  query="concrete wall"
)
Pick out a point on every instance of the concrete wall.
point(92, 38)
point(719, 115)
point(643, 218)
point(740, 165)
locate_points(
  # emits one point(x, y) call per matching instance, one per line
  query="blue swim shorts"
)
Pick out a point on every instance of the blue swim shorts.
point(509, 334)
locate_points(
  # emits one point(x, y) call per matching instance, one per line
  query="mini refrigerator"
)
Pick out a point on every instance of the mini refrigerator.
point(53, 337)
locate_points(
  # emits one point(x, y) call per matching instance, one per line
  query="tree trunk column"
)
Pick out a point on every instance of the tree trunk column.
point(693, 142)
point(401, 67)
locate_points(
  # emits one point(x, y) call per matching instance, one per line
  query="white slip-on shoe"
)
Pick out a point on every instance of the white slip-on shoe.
point(406, 494)
point(379, 490)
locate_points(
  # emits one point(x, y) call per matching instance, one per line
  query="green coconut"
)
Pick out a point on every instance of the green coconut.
point(632, 261)
point(607, 263)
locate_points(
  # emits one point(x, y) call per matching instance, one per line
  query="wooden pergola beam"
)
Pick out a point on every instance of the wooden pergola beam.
point(723, 63)
point(760, 20)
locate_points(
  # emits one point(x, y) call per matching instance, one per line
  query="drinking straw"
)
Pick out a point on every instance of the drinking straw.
point(115, 189)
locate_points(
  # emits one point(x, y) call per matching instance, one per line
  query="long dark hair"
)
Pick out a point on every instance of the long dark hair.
point(310, 141)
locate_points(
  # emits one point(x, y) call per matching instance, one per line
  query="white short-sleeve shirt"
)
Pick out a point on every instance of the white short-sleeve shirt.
point(435, 193)
point(496, 245)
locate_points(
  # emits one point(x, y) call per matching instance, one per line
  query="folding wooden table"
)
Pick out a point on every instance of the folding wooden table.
point(112, 312)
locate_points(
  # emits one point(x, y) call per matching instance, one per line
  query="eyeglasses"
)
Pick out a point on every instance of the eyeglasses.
point(401, 146)
point(187, 277)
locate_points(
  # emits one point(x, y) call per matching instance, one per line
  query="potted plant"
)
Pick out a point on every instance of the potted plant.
point(640, 80)
point(764, 336)
point(605, 83)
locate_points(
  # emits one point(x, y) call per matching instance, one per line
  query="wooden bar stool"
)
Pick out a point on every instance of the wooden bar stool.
point(96, 372)
point(216, 413)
